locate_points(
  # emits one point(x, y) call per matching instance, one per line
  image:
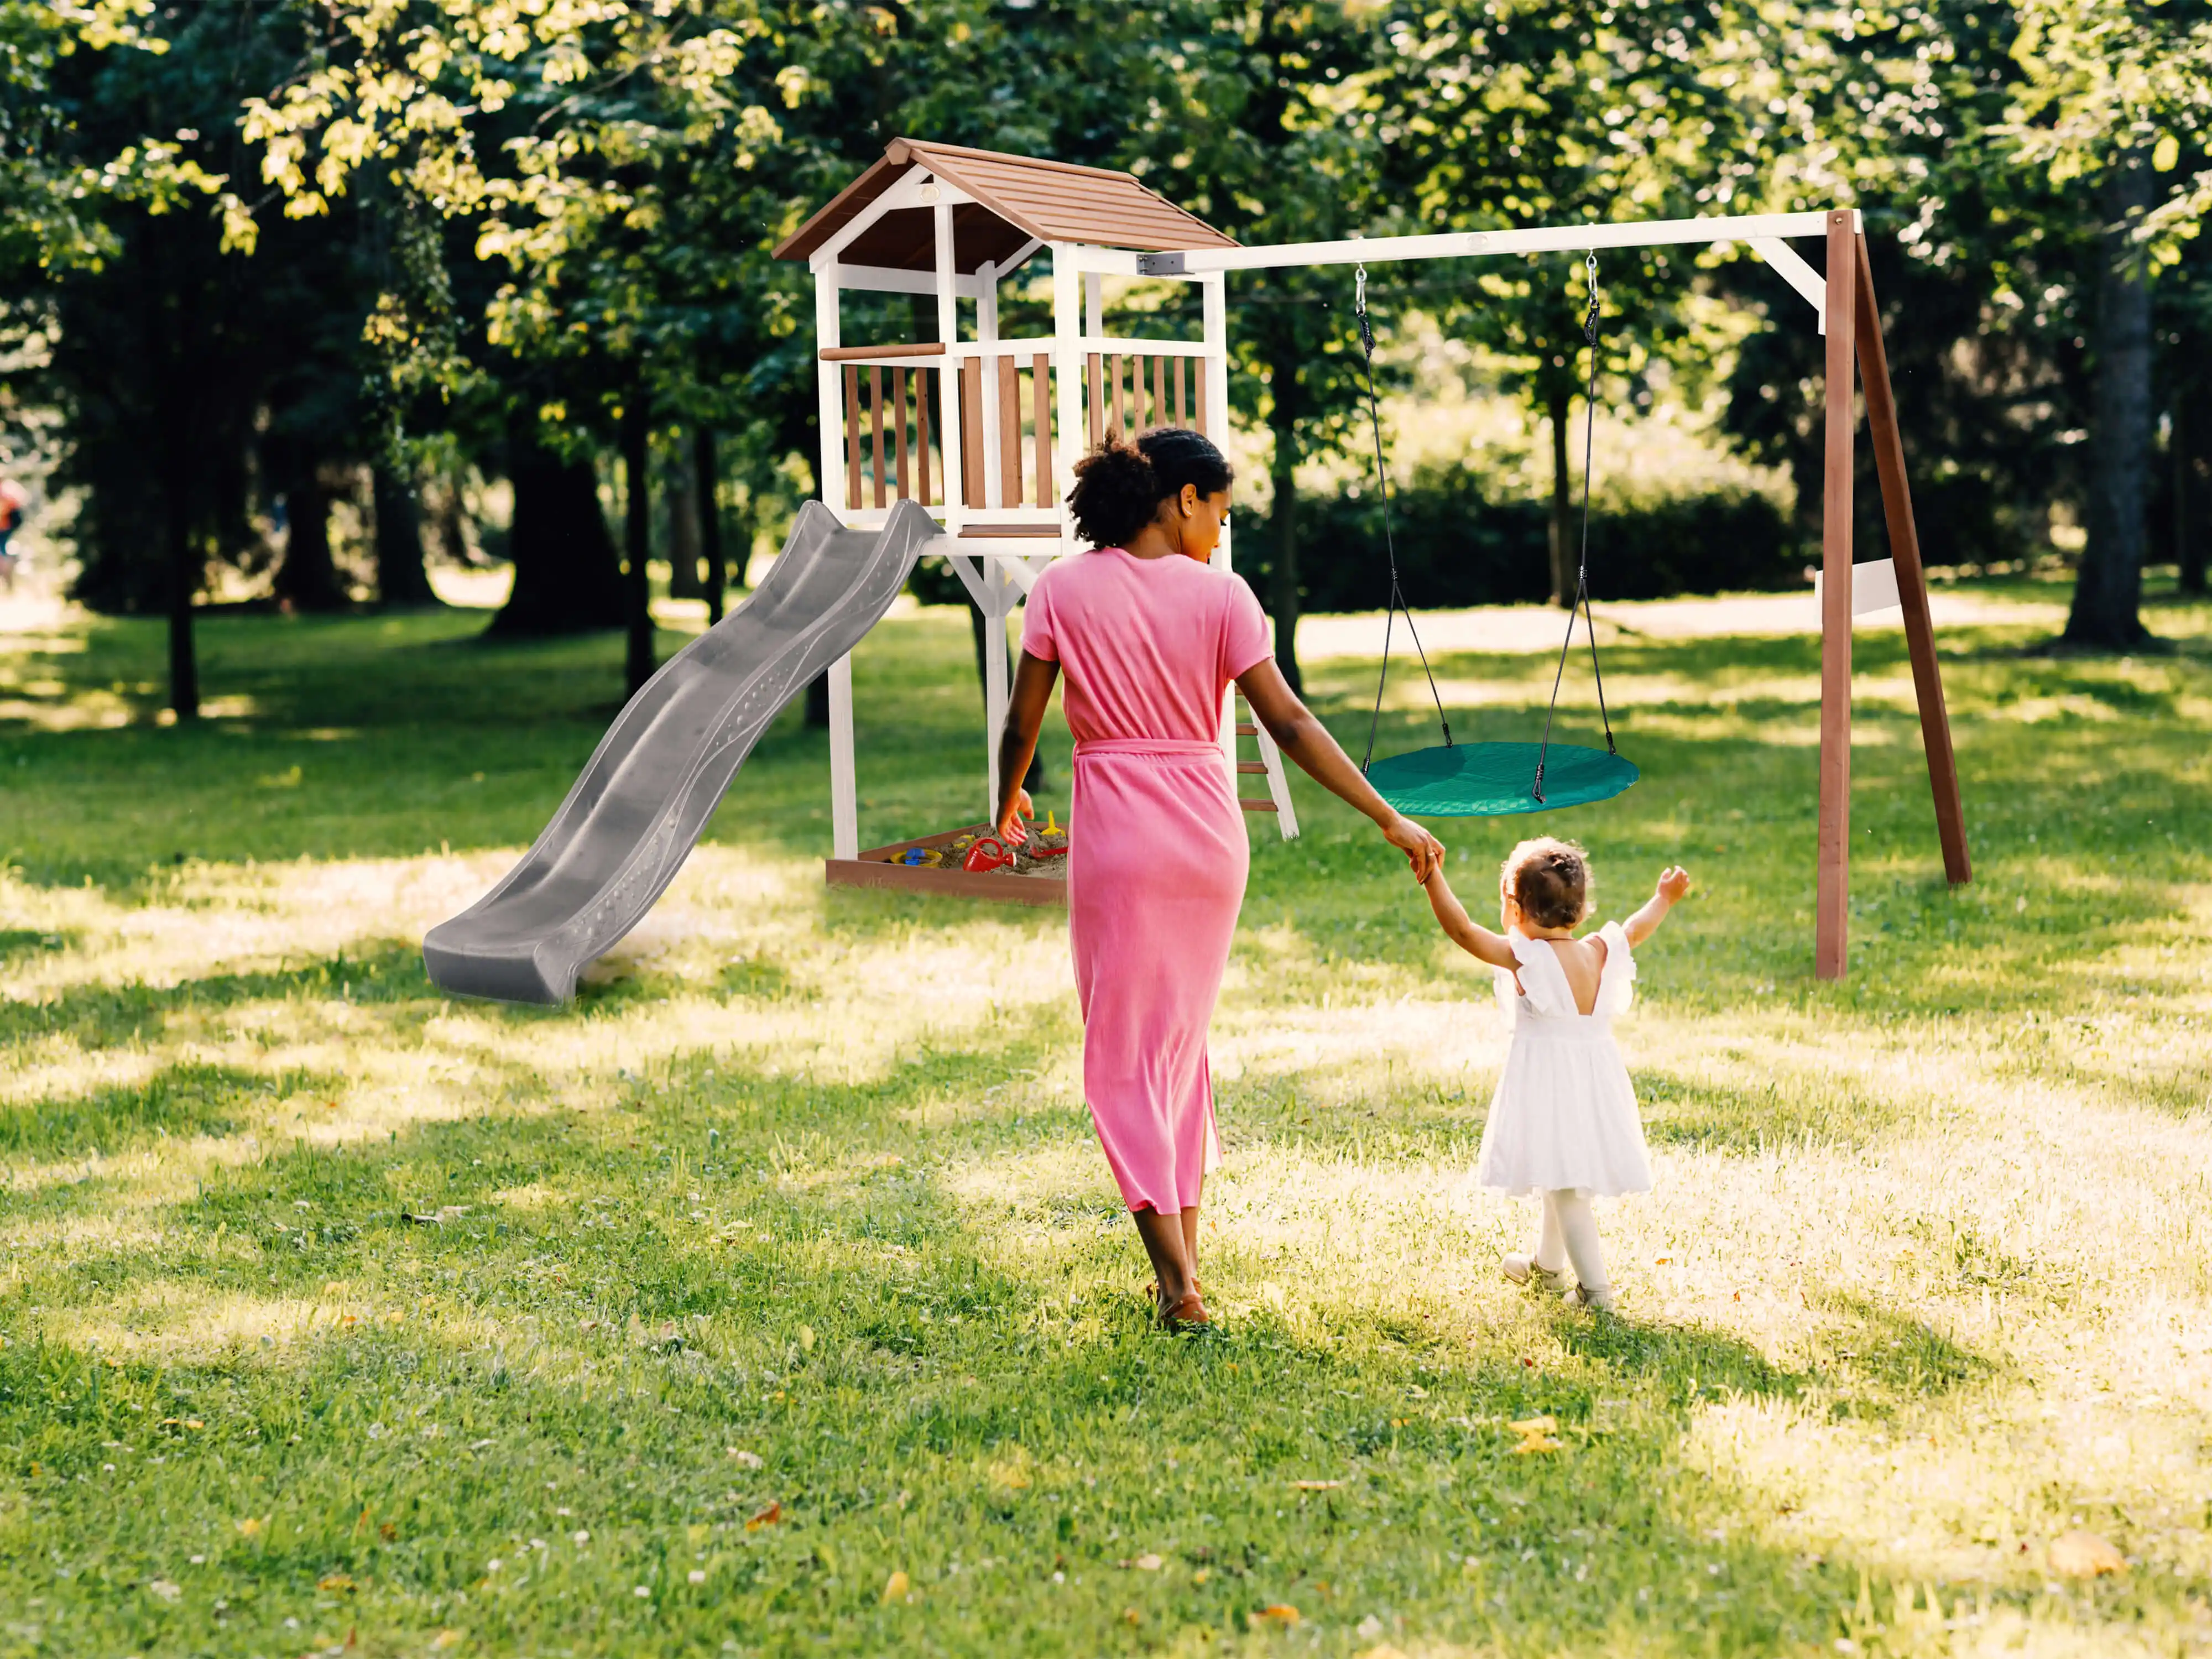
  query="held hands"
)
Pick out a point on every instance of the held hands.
point(1009, 825)
point(1674, 882)
point(1423, 851)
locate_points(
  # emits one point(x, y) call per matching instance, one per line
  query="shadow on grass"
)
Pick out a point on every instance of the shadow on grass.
point(1704, 1117)
point(190, 1098)
point(95, 1015)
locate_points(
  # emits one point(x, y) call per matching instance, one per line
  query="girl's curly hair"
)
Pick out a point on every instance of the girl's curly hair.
point(1119, 485)
point(1549, 879)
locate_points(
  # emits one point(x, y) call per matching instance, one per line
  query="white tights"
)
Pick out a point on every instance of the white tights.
point(1568, 1235)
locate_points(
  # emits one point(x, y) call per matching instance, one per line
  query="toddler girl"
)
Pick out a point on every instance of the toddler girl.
point(1564, 1123)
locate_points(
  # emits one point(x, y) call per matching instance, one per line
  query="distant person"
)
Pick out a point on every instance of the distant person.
point(14, 499)
point(1563, 1125)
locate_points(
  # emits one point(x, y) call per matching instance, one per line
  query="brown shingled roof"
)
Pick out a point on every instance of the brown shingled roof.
point(1017, 197)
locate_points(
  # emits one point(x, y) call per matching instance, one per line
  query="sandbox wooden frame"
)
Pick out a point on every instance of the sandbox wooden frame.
point(876, 866)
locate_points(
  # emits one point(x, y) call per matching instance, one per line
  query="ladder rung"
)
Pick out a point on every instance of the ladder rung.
point(1251, 805)
point(1244, 730)
point(1251, 766)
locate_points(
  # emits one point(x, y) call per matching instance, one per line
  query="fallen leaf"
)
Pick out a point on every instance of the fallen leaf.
point(194, 1423)
point(767, 1517)
point(1201, 1575)
point(1280, 1612)
point(746, 1460)
point(895, 1587)
point(1146, 1563)
point(1536, 1443)
point(446, 1639)
point(2084, 1555)
point(1128, 1615)
point(1535, 1425)
point(1315, 1486)
point(388, 1532)
point(164, 1588)
point(335, 1581)
point(249, 1528)
point(806, 1337)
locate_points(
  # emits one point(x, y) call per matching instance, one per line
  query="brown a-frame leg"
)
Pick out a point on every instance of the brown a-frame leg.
point(1855, 340)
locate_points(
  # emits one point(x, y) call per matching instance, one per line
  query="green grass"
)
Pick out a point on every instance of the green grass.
point(336, 1312)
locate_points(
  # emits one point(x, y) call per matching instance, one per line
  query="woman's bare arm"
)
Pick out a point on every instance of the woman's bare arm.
point(1307, 741)
point(1470, 935)
point(1033, 678)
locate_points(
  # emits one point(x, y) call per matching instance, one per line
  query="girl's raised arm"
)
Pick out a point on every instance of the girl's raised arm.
point(1674, 881)
point(1470, 935)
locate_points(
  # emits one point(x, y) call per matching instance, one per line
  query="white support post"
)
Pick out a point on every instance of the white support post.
point(1094, 304)
point(987, 335)
point(830, 395)
point(844, 792)
point(1067, 374)
point(994, 670)
point(1214, 297)
point(948, 381)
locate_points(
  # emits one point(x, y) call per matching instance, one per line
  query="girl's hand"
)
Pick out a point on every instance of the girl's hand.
point(1674, 882)
point(1422, 850)
point(1010, 827)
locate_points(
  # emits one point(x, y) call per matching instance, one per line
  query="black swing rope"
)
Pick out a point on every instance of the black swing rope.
point(1582, 570)
point(1389, 549)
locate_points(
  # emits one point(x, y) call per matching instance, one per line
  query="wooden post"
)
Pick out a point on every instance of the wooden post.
point(1831, 904)
point(1912, 578)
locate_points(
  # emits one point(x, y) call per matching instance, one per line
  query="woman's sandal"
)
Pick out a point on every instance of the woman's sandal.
point(1188, 1315)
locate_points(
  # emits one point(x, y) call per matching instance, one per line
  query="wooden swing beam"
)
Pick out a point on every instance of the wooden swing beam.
point(1855, 360)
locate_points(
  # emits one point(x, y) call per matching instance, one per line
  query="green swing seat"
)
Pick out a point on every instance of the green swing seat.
point(1493, 780)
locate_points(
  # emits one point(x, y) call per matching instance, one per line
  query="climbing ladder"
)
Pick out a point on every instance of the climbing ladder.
point(1269, 766)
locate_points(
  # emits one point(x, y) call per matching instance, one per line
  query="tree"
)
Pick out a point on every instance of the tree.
point(2108, 95)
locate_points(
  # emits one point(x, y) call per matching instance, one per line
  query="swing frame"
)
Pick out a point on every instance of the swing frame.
point(1843, 296)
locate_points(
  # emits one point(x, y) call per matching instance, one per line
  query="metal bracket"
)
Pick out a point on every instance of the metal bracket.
point(1169, 264)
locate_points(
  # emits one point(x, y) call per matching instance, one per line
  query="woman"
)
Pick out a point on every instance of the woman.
point(1150, 639)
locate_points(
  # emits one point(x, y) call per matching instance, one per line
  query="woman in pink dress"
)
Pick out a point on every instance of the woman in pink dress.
point(1150, 639)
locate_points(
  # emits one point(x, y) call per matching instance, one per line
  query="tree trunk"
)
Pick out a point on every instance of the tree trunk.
point(637, 513)
point(567, 577)
point(2190, 496)
point(680, 491)
point(1557, 407)
point(706, 478)
point(401, 578)
point(307, 580)
point(1283, 516)
point(186, 569)
point(2108, 593)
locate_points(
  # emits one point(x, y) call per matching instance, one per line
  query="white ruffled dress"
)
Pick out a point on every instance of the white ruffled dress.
point(1564, 1114)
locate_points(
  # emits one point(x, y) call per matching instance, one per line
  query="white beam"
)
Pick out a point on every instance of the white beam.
point(844, 791)
point(830, 395)
point(1545, 239)
point(1790, 266)
point(948, 382)
point(882, 279)
point(917, 189)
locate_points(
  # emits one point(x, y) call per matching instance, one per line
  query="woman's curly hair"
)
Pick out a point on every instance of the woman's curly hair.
point(1119, 485)
point(1549, 879)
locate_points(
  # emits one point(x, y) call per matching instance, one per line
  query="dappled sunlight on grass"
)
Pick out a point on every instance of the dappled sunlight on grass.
point(318, 1274)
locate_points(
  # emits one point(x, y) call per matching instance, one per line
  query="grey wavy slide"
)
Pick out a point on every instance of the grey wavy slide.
point(650, 787)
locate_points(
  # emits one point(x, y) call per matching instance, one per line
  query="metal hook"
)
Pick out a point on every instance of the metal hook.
point(1360, 290)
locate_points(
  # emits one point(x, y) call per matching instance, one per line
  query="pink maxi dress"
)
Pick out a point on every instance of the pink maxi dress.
point(1157, 854)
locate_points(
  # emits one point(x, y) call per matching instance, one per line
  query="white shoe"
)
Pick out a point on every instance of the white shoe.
point(1520, 1269)
point(1582, 1296)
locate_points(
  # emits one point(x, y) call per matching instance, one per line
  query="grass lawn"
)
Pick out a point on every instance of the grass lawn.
point(775, 1298)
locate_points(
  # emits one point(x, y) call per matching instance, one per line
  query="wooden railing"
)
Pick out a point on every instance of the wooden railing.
point(893, 394)
point(1106, 374)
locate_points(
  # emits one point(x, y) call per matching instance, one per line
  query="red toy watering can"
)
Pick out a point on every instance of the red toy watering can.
point(988, 854)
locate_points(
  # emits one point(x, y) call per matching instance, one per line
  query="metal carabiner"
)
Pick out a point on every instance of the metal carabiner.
point(1359, 291)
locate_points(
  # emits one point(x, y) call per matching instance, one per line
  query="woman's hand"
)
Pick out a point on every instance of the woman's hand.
point(1009, 825)
point(1422, 850)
